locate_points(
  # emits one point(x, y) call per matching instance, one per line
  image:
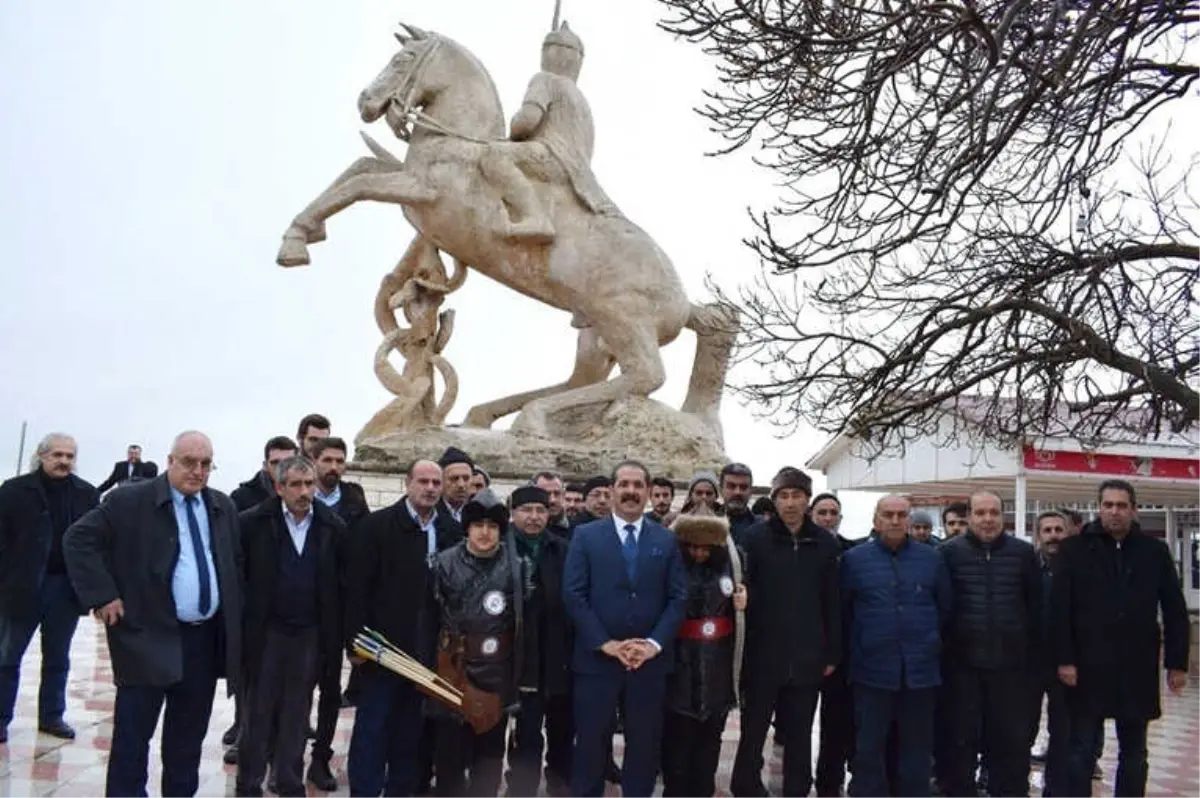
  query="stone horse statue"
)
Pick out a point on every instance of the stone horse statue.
point(620, 287)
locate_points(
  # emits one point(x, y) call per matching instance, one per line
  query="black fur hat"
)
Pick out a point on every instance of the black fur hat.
point(484, 505)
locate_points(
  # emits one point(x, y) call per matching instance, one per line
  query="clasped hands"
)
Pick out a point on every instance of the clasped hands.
point(632, 653)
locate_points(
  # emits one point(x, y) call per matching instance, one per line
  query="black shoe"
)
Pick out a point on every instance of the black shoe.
point(612, 773)
point(57, 729)
point(321, 777)
point(230, 735)
point(752, 791)
point(231, 755)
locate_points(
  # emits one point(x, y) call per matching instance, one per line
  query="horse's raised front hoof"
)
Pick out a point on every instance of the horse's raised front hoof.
point(293, 251)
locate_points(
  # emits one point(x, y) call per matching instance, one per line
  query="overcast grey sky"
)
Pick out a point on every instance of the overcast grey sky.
point(153, 154)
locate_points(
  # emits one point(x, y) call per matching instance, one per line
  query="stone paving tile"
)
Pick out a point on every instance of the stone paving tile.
point(35, 764)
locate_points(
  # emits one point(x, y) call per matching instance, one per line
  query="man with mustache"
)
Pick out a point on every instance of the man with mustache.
point(736, 482)
point(626, 589)
point(35, 511)
point(293, 623)
point(1051, 531)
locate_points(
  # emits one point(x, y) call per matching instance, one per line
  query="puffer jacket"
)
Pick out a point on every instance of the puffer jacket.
point(997, 602)
point(472, 599)
point(897, 602)
point(701, 686)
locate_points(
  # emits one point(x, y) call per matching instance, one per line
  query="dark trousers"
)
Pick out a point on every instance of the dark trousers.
point(329, 706)
point(596, 698)
point(277, 701)
point(460, 751)
point(526, 743)
point(691, 753)
point(1132, 764)
point(426, 745)
point(185, 720)
point(1058, 725)
point(874, 712)
point(57, 614)
point(387, 728)
point(793, 706)
point(837, 733)
point(991, 704)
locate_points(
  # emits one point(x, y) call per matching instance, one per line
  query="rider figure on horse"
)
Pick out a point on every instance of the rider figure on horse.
point(551, 134)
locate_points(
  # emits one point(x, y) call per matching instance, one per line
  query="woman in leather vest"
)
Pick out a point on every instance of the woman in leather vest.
point(701, 690)
point(477, 616)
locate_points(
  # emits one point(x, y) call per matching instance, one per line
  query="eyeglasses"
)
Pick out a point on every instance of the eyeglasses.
point(192, 464)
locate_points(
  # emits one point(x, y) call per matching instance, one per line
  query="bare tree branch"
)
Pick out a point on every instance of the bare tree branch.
point(975, 220)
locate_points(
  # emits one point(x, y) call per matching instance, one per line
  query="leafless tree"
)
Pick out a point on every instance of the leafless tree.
point(985, 216)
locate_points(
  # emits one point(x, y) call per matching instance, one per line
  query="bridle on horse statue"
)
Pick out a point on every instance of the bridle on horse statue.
point(415, 116)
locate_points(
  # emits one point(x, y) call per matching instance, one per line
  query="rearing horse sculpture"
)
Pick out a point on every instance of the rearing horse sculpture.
point(619, 285)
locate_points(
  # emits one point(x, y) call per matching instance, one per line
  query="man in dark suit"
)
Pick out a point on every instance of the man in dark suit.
point(160, 563)
point(35, 511)
point(293, 627)
point(625, 588)
point(347, 500)
point(131, 468)
point(387, 584)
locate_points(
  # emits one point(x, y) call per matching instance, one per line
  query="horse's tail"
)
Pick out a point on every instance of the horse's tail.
point(716, 328)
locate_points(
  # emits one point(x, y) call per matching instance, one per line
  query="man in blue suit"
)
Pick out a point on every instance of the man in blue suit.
point(625, 589)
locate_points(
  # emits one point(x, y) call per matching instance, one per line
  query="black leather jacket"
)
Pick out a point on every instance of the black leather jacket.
point(473, 601)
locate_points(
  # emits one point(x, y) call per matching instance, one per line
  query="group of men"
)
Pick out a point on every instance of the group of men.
point(928, 658)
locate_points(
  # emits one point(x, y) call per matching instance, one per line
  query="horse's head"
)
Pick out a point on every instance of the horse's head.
point(405, 84)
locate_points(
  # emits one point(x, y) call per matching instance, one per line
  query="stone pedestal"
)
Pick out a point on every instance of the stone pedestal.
point(587, 441)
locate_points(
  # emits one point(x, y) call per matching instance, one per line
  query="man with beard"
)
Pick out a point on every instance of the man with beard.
point(991, 641)
point(793, 634)
point(837, 700)
point(572, 499)
point(261, 486)
point(662, 496)
point(293, 623)
point(626, 591)
point(736, 482)
point(553, 485)
point(348, 501)
point(387, 583)
point(597, 501)
point(954, 519)
point(545, 678)
point(1110, 585)
point(35, 511)
point(1051, 529)
point(457, 471)
point(312, 428)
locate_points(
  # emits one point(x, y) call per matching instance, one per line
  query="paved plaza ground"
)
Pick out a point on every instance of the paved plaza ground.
point(35, 764)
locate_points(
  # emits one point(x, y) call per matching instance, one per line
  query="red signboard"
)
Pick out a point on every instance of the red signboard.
point(1114, 465)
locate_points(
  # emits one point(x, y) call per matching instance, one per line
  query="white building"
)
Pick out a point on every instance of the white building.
point(1042, 474)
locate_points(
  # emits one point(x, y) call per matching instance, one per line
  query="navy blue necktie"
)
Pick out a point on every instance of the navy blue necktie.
point(198, 551)
point(630, 551)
